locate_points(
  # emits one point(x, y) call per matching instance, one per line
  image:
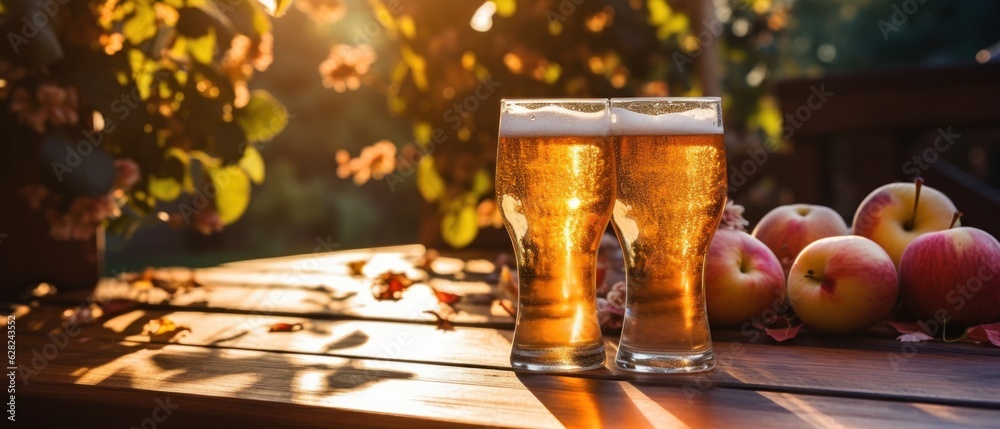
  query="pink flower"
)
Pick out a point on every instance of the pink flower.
point(616, 295)
point(207, 221)
point(609, 315)
point(126, 174)
point(732, 217)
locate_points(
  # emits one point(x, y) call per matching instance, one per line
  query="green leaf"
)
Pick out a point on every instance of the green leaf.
point(262, 118)
point(459, 226)
point(253, 165)
point(429, 182)
point(232, 189)
point(164, 189)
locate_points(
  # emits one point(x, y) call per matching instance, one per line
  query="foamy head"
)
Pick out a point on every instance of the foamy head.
point(666, 116)
point(553, 118)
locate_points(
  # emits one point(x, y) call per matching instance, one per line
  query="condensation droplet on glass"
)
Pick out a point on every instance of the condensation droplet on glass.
point(532, 117)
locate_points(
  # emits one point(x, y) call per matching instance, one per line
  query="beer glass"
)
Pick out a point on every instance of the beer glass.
point(555, 184)
point(671, 175)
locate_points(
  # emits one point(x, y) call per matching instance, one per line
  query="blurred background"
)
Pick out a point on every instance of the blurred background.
point(370, 86)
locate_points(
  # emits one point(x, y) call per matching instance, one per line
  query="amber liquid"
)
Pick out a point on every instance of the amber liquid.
point(671, 194)
point(556, 195)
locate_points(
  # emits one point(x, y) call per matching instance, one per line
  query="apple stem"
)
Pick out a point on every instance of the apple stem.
point(954, 220)
point(811, 275)
point(918, 182)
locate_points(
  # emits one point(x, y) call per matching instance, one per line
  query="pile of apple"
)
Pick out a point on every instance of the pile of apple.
point(905, 245)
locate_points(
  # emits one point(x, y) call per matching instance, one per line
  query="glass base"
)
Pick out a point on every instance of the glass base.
point(665, 362)
point(558, 359)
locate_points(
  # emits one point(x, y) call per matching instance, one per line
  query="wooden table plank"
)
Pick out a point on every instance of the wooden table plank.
point(317, 295)
point(931, 376)
point(315, 391)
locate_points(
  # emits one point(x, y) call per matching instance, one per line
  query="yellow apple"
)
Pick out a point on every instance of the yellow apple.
point(895, 214)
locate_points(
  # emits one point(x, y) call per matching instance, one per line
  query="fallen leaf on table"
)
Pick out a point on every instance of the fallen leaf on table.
point(442, 323)
point(783, 334)
point(115, 307)
point(985, 332)
point(910, 327)
point(390, 286)
point(914, 337)
point(84, 314)
point(507, 306)
point(445, 297)
point(163, 329)
point(42, 290)
point(285, 327)
point(356, 268)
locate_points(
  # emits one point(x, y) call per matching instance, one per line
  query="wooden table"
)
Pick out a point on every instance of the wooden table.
point(363, 363)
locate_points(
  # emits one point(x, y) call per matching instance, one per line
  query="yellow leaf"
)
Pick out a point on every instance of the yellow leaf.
point(460, 224)
point(164, 189)
point(407, 27)
point(417, 66)
point(429, 182)
point(659, 11)
point(253, 165)
point(422, 132)
point(263, 117)
point(142, 25)
point(232, 189)
point(276, 8)
point(143, 69)
point(482, 183)
point(505, 8)
point(203, 48)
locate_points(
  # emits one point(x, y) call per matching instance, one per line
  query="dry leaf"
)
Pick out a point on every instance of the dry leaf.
point(163, 329)
point(356, 268)
point(914, 337)
point(446, 297)
point(442, 323)
point(783, 334)
point(285, 327)
point(985, 332)
point(390, 286)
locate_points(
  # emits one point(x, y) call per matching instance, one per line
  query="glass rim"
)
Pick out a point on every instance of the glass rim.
point(710, 99)
point(554, 100)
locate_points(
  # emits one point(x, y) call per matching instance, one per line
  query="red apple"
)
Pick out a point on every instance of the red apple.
point(742, 279)
point(843, 284)
point(952, 275)
point(787, 230)
point(895, 214)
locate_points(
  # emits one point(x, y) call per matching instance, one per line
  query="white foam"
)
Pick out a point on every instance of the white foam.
point(519, 120)
point(688, 122)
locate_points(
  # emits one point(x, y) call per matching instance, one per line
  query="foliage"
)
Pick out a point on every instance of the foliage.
point(162, 83)
point(452, 62)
